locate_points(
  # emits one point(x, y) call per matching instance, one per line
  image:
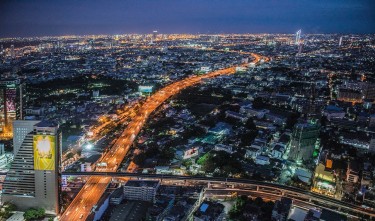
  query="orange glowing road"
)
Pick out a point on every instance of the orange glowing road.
point(124, 116)
point(87, 198)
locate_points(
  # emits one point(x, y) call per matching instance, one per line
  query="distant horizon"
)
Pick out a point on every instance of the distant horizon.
point(248, 33)
point(38, 18)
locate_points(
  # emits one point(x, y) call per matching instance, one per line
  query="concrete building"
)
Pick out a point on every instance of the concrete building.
point(352, 172)
point(141, 190)
point(20, 130)
point(302, 144)
point(33, 178)
point(281, 209)
point(11, 105)
point(333, 112)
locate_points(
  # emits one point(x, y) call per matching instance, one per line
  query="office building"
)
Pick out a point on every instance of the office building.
point(298, 37)
point(11, 105)
point(21, 128)
point(141, 190)
point(340, 42)
point(33, 178)
point(302, 144)
point(12, 52)
point(154, 35)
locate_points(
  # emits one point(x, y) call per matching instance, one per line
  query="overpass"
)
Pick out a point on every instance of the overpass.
point(80, 207)
point(309, 197)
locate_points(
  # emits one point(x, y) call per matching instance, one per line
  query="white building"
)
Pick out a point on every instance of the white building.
point(144, 190)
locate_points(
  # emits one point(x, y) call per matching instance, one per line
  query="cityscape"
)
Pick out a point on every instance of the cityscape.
point(165, 126)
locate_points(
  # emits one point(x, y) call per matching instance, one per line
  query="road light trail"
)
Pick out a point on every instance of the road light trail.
point(87, 198)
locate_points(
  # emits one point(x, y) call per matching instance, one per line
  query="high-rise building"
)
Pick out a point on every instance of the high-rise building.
point(33, 178)
point(11, 105)
point(12, 52)
point(153, 37)
point(154, 34)
point(302, 144)
point(340, 42)
point(21, 128)
point(298, 37)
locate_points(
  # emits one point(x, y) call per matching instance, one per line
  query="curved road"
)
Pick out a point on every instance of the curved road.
point(87, 198)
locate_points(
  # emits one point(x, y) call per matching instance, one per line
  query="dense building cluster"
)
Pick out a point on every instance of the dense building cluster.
point(301, 116)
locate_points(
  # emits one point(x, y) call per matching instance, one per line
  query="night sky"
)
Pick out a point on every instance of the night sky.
point(24, 18)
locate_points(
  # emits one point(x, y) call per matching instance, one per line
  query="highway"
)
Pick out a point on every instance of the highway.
point(125, 115)
point(80, 207)
point(243, 184)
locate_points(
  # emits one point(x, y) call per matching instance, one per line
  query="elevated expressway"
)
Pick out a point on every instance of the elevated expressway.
point(243, 186)
point(88, 197)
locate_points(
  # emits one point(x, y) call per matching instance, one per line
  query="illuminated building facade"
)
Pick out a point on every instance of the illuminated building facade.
point(33, 178)
point(298, 37)
point(324, 181)
point(11, 105)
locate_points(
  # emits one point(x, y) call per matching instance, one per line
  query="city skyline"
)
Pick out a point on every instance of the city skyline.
point(28, 19)
point(187, 110)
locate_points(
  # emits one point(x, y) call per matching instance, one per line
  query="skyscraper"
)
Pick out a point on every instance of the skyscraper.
point(154, 34)
point(153, 38)
point(340, 41)
point(298, 37)
point(21, 128)
point(12, 52)
point(302, 144)
point(33, 178)
point(11, 105)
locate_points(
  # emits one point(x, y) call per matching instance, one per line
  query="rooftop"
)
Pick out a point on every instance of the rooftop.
point(142, 183)
point(46, 124)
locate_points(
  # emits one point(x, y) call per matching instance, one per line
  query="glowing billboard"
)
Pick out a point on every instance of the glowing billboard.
point(44, 152)
point(10, 94)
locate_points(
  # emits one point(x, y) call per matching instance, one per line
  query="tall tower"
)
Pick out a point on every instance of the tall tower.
point(298, 37)
point(33, 179)
point(153, 37)
point(154, 34)
point(11, 105)
point(340, 42)
point(12, 52)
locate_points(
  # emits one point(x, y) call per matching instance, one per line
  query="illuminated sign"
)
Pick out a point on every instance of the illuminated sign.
point(10, 102)
point(44, 152)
